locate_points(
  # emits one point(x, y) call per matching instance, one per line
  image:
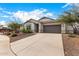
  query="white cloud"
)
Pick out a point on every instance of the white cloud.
point(66, 5)
point(25, 15)
point(3, 23)
point(76, 4)
point(71, 4)
point(35, 14)
point(49, 14)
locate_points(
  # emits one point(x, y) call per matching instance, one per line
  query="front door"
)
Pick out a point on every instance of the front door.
point(36, 28)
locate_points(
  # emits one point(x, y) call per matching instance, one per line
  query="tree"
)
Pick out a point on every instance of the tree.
point(14, 25)
point(70, 17)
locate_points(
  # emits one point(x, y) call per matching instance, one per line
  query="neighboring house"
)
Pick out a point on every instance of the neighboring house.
point(46, 25)
point(4, 29)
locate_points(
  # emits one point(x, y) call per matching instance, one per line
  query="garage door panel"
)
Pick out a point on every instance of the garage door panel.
point(52, 28)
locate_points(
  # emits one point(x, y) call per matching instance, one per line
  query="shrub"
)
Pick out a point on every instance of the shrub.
point(71, 35)
point(13, 34)
point(24, 30)
point(29, 31)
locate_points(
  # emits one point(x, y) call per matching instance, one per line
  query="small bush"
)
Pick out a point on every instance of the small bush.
point(13, 34)
point(71, 35)
point(29, 31)
point(24, 30)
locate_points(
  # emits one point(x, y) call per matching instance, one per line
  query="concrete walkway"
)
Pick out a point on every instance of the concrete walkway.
point(5, 49)
point(41, 44)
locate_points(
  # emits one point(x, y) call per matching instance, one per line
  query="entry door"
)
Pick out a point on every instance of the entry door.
point(36, 28)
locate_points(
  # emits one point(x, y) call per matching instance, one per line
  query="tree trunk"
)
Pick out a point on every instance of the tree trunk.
point(74, 29)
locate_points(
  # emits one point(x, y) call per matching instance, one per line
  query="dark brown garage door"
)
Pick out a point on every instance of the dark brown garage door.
point(52, 28)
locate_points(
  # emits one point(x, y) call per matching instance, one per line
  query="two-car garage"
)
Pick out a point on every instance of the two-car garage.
point(52, 28)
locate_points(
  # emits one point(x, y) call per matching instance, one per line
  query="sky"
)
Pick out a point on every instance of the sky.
point(21, 12)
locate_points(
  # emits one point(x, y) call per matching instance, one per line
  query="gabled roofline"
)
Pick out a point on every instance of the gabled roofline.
point(46, 18)
point(30, 20)
point(38, 19)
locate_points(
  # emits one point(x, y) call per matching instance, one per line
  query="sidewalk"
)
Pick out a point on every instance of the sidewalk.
point(5, 46)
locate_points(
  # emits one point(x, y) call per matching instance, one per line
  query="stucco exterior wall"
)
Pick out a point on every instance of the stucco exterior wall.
point(30, 24)
point(63, 28)
point(69, 29)
point(27, 24)
point(51, 23)
point(66, 28)
point(32, 27)
point(40, 27)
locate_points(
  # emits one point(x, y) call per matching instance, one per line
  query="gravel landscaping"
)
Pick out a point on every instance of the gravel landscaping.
point(71, 45)
point(20, 36)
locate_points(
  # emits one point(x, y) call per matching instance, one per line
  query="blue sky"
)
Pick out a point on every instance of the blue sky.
point(24, 11)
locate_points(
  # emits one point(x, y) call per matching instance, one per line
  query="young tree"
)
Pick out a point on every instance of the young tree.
point(71, 17)
point(14, 25)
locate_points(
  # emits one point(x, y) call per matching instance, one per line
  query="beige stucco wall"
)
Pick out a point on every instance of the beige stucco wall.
point(69, 29)
point(63, 28)
point(32, 27)
point(50, 23)
point(66, 28)
point(30, 24)
point(40, 27)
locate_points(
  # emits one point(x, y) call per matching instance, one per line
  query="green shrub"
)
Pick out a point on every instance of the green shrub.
point(29, 31)
point(24, 30)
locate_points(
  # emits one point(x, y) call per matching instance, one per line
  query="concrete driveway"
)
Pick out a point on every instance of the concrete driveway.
point(41, 44)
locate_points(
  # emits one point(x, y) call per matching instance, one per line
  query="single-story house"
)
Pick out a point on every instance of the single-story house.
point(47, 25)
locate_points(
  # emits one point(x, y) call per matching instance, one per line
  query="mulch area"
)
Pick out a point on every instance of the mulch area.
point(20, 36)
point(71, 45)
